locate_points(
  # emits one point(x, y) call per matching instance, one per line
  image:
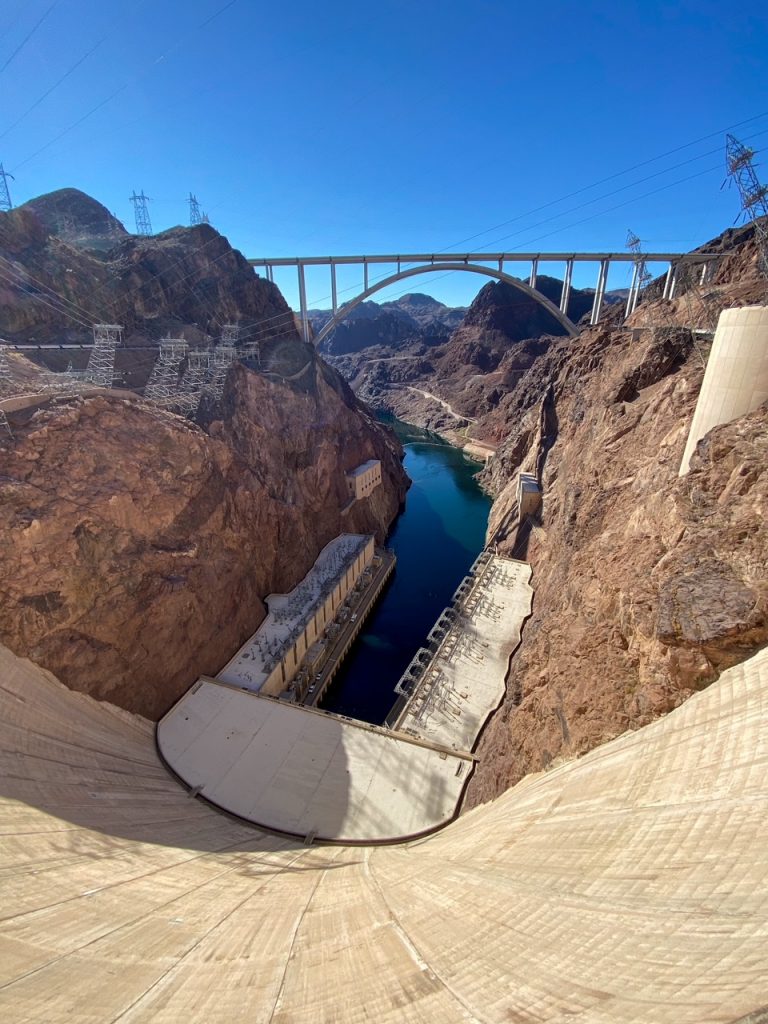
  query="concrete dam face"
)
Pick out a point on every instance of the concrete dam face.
point(630, 885)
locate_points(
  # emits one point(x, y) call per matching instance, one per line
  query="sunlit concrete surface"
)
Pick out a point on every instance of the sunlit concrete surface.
point(307, 772)
point(464, 682)
point(736, 378)
point(629, 886)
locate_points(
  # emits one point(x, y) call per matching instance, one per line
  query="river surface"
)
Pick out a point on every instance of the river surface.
point(436, 540)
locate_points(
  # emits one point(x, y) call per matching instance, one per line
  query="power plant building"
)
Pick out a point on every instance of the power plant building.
point(296, 622)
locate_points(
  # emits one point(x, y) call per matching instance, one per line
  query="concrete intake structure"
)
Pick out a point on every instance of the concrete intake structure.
point(362, 480)
point(736, 379)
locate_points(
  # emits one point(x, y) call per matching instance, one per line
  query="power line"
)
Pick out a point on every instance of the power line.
point(33, 295)
point(145, 71)
point(611, 177)
point(70, 71)
point(24, 276)
point(29, 34)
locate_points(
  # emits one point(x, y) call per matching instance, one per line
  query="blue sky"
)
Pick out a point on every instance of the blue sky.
point(317, 128)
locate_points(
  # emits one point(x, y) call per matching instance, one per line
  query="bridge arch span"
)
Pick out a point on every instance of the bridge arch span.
point(430, 268)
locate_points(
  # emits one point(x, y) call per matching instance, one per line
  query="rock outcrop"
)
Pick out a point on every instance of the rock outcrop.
point(136, 549)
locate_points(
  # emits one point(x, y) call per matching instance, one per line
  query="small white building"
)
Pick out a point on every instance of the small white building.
point(364, 479)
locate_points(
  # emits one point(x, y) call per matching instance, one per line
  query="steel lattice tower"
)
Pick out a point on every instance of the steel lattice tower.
point(195, 215)
point(640, 274)
point(141, 211)
point(194, 380)
point(163, 383)
point(754, 196)
point(101, 364)
point(5, 192)
point(224, 355)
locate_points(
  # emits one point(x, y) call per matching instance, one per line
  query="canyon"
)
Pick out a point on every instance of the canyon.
point(127, 577)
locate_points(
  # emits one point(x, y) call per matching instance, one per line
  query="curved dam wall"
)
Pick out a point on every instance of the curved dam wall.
point(736, 378)
point(627, 886)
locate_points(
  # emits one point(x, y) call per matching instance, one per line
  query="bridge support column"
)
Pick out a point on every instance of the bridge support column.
point(534, 273)
point(565, 294)
point(303, 305)
point(334, 300)
point(501, 266)
point(633, 289)
point(365, 277)
point(602, 278)
point(670, 281)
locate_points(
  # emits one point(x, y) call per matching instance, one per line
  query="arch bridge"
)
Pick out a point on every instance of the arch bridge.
point(488, 264)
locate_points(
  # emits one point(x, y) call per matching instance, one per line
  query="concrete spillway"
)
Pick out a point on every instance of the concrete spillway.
point(631, 885)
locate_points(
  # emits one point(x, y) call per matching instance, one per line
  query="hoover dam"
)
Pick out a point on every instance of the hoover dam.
point(627, 886)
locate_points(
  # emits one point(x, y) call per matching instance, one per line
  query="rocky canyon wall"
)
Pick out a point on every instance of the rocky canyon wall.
point(647, 585)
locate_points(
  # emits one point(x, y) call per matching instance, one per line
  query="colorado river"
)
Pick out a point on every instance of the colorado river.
point(436, 540)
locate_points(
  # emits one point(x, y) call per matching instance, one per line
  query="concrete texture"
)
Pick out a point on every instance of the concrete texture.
point(628, 886)
point(307, 772)
point(465, 678)
point(736, 378)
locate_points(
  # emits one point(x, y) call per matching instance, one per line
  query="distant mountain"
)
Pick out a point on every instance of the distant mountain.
point(410, 318)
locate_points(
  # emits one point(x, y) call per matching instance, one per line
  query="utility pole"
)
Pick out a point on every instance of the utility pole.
point(739, 162)
point(141, 212)
point(195, 216)
point(5, 192)
point(101, 363)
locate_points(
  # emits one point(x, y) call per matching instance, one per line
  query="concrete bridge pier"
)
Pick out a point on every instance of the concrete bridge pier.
point(334, 300)
point(566, 292)
point(670, 281)
point(602, 278)
point(534, 272)
point(303, 305)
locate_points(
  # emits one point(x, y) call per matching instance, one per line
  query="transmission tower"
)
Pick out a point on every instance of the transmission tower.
point(193, 381)
point(739, 161)
point(6, 381)
point(640, 274)
point(206, 219)
point(101, 363)
point(224, 355)
point(141, 211)
point(195, 215)
point(5, 192)
point(163, 383)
